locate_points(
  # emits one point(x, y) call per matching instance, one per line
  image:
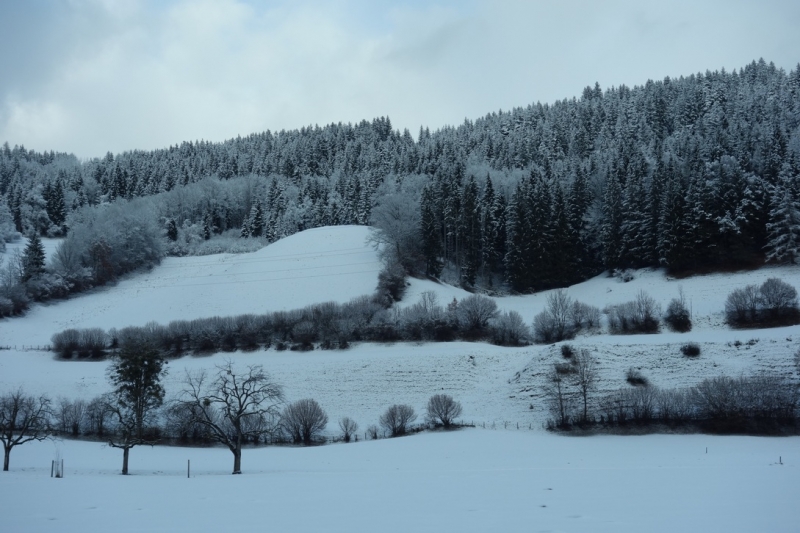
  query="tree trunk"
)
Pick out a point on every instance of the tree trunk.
point(237, 460)
point(6, 457)
point(125, 461)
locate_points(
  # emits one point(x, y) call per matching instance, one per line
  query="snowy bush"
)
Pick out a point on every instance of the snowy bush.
point(691, 349)
point(677, 316)
point(624, 275)
point(563, 318)
point(303, 421)
point(391, 283)
point(774, 303)
point(635, 378)
point(509, 329)
point(474, 314)
point(443, 410)
point(638, 316)
point(397, 419)
point(372, 432)
point(348, 426)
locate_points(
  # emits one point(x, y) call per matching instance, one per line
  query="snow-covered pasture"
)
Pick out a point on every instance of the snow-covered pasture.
point(318, 265)
point(496, 385)
point(468, 480)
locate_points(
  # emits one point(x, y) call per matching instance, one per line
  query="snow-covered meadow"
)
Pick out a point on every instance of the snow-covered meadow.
point(469, 480)
point(510, 476)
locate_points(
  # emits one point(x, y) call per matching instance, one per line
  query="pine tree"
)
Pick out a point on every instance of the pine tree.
point(256, 220)
point(611, 232)
point(673, 238)
point(7, 229)
point(563, 244)
point(135, 376)
point(470, 232)
point(172, 230)
point(783, 227)
point(33, 258)
point(430, 234)
point(634, 232)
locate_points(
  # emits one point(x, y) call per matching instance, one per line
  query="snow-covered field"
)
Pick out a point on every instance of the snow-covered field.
point(470, 480)
point(475, 480)
point(319, 265)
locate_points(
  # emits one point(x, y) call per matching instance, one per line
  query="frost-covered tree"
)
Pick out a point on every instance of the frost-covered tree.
point(135, 375)
point(33, 258)
point(783, 227)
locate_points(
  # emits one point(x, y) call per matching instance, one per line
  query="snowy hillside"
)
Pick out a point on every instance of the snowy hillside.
point(501, 386)
point(318, 265)
point(507, 473)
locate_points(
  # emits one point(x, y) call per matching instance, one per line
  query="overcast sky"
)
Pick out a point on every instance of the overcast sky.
point(91, 76)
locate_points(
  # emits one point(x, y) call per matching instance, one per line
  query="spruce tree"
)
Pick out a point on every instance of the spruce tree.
point(783, 227)
point(256, 220)
point(135, 376)
point(470, 232)
point(429, 231)
point(611, 232)
point(33, 258)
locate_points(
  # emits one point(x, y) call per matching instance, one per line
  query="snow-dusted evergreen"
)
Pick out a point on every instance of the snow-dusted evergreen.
point(688, 173)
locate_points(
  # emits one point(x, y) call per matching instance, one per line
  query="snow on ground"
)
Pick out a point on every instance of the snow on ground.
point(474, 480)
point(501, 386)
point(705, 294)
point(318, 265)
point(470, 480)
point(19, 245)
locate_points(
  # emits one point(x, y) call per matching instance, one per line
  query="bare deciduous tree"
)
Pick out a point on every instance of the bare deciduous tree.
point(559, 399)
point(562, 318)
point(23, 418)
point(348, 427)
point(443, 409)
point(509, 329)
point(70, 416)
point(397, 418)
point(475, 312)
point(372, 432)
point(234, 405)
point(303, 420)
point(97, 416)
point(585, 378)
point(777, 297)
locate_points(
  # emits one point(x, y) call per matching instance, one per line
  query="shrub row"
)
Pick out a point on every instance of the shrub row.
point(328, 326)
point(750, 404)
point(774, 303)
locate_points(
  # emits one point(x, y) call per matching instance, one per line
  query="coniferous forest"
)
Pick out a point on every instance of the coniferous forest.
point(693, 174)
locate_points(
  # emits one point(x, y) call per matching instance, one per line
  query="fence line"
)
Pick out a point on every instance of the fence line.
point(28, 348)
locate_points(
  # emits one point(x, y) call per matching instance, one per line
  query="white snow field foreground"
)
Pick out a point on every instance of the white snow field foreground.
point(469, 480)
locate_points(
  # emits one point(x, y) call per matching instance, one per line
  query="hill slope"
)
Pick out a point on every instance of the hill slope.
point(317, 265)
point(501, 386)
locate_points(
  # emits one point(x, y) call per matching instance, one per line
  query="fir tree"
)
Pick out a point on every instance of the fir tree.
point(611, 232)
point(256, 220)
point(431, 237)
point(33, 258)
point(783, 228)
point(172, 230)
point(470, 233)
point(135, 376)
